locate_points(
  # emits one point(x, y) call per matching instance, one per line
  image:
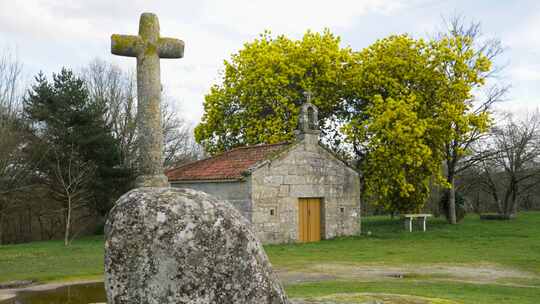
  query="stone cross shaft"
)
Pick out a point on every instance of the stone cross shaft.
point(148, 47)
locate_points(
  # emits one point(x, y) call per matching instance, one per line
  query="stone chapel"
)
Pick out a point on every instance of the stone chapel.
point(291, 192)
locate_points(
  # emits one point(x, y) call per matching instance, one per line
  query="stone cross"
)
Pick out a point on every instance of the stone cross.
point(148, 47)
point(308, 96)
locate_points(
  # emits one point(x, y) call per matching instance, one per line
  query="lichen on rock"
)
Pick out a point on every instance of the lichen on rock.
point(168, 245)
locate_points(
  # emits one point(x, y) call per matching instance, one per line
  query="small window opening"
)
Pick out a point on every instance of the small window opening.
point(311, 118)
point(272, 212)
point(342, 210)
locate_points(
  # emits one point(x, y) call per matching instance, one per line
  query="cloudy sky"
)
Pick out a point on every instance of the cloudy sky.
point(49, 34)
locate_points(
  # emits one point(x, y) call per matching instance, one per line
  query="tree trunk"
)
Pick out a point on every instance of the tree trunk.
point(499, 205)
point(30, 220)
point(1, 228)
point(40, 222)
point(509, 198)
point(514, 202)
point(452, 219)
point(68, 223)
point(20, 227)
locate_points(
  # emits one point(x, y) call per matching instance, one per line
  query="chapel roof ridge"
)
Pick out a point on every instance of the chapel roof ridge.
point(228, 165)
point(258, 145)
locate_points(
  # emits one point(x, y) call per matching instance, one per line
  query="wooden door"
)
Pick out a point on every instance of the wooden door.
point(309, 220)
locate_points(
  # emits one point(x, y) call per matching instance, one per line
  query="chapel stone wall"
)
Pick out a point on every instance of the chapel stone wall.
point(307, 170)
point(236, 193)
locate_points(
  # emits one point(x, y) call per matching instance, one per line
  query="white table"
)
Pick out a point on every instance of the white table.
point(410, 217)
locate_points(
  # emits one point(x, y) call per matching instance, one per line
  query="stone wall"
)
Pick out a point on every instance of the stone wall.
point(307, 170)
point(235, 192)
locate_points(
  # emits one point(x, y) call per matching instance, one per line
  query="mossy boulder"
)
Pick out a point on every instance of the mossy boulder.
point(166, 245)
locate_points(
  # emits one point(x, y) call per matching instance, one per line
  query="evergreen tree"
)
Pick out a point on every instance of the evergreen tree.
point(76, 142)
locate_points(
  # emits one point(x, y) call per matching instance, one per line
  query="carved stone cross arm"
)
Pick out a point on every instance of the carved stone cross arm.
point(132, 46)
point(170, 48)
point(126, 45)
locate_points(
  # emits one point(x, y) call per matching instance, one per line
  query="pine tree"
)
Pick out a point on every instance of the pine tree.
point(81, 163)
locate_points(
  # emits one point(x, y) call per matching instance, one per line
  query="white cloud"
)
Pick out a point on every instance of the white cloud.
point(521, 108)
point(291, 16)
point(52, 33)
point(36, 20)
point(525, 73)
point(525, 35)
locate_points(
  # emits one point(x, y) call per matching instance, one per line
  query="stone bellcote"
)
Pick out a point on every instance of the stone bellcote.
point(308, 121)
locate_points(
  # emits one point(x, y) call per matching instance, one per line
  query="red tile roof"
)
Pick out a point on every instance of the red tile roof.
point(229, 165)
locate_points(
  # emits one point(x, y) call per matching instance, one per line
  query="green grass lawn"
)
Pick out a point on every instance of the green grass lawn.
point(512, 244)
point(52, 261)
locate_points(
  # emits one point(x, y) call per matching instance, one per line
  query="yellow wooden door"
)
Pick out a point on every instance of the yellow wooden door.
point(309, 220)
point(314, 214)
point(303, 223)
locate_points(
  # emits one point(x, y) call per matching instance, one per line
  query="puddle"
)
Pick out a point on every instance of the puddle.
point(72, 294)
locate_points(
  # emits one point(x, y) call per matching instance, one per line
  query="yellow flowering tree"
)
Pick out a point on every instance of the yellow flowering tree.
point(465, 66)
point(414, 99)
point(403, 105)
point(263, 86)
point(391, 122)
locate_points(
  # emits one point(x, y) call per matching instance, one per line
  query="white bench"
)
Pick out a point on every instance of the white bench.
point(410, 217)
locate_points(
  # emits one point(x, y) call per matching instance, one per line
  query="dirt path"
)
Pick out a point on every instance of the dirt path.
point(371, 298)
point(482, 273)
